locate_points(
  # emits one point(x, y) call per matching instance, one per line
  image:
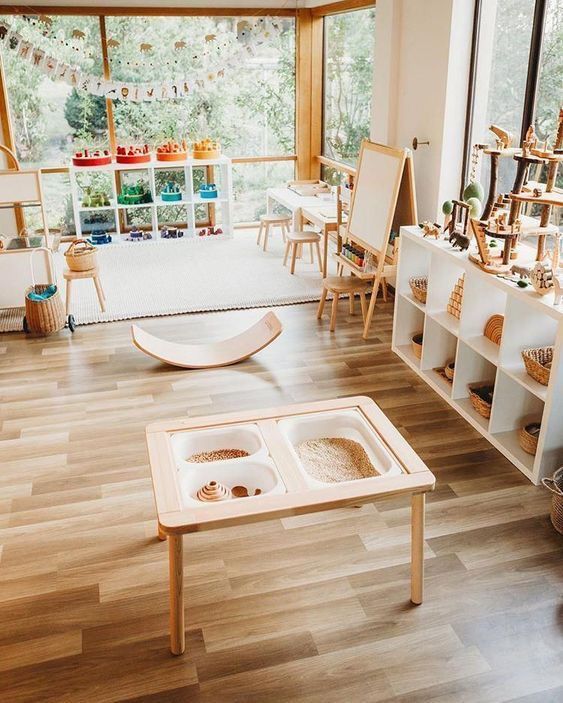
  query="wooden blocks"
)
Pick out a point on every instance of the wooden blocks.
point(456, 298)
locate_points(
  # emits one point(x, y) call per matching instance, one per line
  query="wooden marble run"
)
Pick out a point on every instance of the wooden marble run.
point(277, 481)
point(131, 154)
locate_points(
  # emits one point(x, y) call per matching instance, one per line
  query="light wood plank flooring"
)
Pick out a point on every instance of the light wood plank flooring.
point(304, 610)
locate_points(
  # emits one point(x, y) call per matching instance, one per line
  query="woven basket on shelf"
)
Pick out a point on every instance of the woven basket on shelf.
point(81, 256)
point(417, 345)
point(419, 287)
point(481, 405)
point(44, 316)
point(555, 485)
point(528, 437)
point(538, 363)
point(449, 370)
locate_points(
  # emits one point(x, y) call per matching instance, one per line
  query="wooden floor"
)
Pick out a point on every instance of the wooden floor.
point(304, 610)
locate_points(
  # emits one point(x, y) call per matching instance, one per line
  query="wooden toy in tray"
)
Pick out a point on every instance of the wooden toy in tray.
point(206, 149)
point(133, 154)
point(92, 157)
point(172, 151)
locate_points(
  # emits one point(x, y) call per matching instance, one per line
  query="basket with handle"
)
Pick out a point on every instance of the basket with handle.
point(81, 256)
point(555, 485)
point(43, 316)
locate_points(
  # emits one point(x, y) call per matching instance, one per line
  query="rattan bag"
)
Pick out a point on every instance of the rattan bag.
point(81, 256)
point(555, 485)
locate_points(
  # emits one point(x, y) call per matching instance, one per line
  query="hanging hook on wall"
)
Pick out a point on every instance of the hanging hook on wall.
point(416, 143)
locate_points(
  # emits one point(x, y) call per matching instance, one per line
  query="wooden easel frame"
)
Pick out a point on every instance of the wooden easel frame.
point(401, 213)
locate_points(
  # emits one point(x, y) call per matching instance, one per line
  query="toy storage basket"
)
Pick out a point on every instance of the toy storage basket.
point(419, 286)
point(481, 405)
point(44, 316)
point(81, 256)
point(538, 363)
point(555, 485)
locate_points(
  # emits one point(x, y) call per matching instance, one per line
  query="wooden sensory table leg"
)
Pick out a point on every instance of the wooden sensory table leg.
point(176, 570)
point(417, 547)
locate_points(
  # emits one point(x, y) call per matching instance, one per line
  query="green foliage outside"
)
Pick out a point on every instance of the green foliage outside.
point(349, 42)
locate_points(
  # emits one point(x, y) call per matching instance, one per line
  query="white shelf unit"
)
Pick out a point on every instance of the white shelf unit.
point(530, 321)
point(190, 199)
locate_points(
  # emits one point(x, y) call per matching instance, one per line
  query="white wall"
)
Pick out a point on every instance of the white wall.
point(420, 89)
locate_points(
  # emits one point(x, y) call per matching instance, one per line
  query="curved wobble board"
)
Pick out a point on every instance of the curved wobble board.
point(208, 356)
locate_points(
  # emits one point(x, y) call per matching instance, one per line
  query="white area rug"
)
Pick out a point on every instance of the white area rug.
point(166, 278)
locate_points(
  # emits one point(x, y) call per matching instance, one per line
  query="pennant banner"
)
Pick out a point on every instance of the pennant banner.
point(248, 36)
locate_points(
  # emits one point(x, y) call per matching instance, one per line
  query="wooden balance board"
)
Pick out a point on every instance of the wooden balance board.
point(207, 356)
point(280, 481)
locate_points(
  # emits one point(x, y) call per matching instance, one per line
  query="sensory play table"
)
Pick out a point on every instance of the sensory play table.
point(272, 464)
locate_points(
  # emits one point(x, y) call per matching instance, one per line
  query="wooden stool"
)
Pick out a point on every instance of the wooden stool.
point(267, 221)
point(343, 285)
point(71, 276)
point(295, 241)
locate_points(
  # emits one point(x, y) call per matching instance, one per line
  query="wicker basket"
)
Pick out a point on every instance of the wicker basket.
point(555, 485)
point(481, 405)
point(417, 344)
point(419, 287)
point(449, 370)
point(528, 437)
point(81, 256)
point(538, 363)
point(44, 316)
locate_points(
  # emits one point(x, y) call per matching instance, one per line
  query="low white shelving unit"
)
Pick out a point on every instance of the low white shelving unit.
point(190, 197)
point(530, 321)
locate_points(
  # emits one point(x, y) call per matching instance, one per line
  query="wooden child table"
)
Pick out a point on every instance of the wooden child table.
point(272, 464)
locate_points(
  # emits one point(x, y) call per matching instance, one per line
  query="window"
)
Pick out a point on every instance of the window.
point(50, 119)
point(348, 71)
point(251, 110)
point(506, 74)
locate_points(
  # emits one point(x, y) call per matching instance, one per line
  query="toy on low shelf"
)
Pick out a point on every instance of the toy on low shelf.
point(92, 157)
point(171, 192)
point(206, 149)
point(456, 298)
point(98, 237)
point(208, 191)
point(94, 198)
point(137, 235)
point(430, 229)
point(135, 194)
point(171, 233)
point(131, 154)
point(209, 231)
point(172, 151)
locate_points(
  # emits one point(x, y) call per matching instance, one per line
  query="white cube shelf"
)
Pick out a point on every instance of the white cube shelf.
point(530, 320)
point(189, 202)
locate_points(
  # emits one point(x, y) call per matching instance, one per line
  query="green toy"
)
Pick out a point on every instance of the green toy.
point(135, 194)
point(475, 207)
point(94, 198)
point(474, 190)
point(447, 207)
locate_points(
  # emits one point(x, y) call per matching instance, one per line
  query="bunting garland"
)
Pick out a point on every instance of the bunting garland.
point(248, 36)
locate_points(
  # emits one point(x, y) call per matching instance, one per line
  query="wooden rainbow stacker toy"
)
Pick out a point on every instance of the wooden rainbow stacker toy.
point(265, 475)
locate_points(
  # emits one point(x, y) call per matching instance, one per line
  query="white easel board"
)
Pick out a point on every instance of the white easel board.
point(376, 193)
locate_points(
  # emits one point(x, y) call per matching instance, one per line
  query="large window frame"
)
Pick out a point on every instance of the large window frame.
point(102, 13)
point(309, 28)
point(532, 78)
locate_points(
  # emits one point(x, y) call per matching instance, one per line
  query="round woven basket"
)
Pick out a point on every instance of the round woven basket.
point(417, 345)
point(44, 316)
point(449, 370)
point(555, 485)
point(538, 363)
point(482, 406)
point(81, 256)
point(528, 437)
point(419, 287)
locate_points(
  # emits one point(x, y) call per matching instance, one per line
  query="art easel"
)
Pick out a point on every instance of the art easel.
point(383, 200)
